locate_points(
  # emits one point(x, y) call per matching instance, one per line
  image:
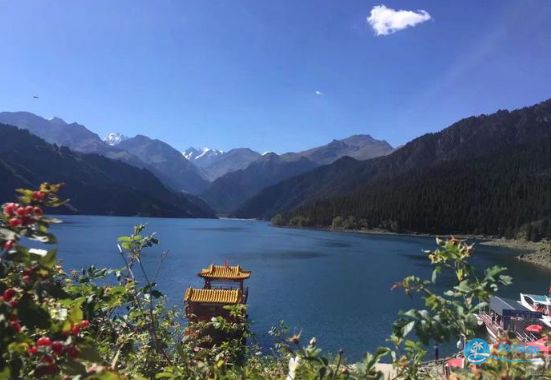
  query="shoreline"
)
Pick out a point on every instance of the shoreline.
point(537, 253)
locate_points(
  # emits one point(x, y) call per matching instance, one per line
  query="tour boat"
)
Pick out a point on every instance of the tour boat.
point(507, 314)
point(538, 303)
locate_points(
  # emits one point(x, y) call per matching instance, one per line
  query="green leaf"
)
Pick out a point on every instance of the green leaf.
point(21, 255)
point(107, 375)
point(49, 260)
point(75, 314)
point(435, 273)
point(88, 352)
point(407, 328)
point(164, 375)
point(5, 373)
point(57, 202)
point(73, 368)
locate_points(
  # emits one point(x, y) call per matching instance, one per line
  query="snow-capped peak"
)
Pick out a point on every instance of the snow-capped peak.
point(114, 139)
point(201, 154)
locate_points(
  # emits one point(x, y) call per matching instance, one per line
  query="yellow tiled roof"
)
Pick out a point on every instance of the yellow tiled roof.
point(226, 296)
point(222, 272)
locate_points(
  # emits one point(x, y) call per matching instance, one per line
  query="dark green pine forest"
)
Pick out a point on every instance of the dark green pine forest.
point(505, 193)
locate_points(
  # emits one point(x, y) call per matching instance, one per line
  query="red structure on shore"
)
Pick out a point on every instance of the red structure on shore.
point(224, 285)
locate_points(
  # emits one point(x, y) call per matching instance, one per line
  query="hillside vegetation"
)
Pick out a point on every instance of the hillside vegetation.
point(97, 185)
point(506, 193)
point(105, 324)
point(484, 174)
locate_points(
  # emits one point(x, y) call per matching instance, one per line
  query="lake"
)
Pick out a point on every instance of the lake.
point(334, 286)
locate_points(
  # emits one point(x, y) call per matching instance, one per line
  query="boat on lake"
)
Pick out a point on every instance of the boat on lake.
point(504, 314)
point(538, 303)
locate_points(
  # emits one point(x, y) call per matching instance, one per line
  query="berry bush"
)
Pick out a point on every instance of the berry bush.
point(113, 324)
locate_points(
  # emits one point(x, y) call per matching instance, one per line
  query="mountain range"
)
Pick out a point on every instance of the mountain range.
point(215, 163)
point(202, 157)
point(360, 147)
point(168, 163)
point(226, 179)
point(230, 191)
point(95, 184)
point(153, 153)
point(346, 183)
point(487, 174)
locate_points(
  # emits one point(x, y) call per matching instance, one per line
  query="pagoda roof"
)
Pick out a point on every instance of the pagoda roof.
point(225, 272)
point(223, 296)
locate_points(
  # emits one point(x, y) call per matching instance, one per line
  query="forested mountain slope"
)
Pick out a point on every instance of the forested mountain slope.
point(502, 193)
point(469, 138)
point(95, 184)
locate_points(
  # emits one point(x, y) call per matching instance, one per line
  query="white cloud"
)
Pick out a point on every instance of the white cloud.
point(319, 93)
point(386, 21)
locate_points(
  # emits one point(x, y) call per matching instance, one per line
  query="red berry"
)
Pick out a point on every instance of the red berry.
point(9, 245)
point(44, 341)
point(29, 209)
point(16, 326)
point(9, 294)
point(47, 359)
point(73, 352)
point(75, 330)
point(38, 211)
point(84, 324)
point(33, 350)
point(38, 195)
point(28, 271)
point(27, 279)
point(21, 211)
point(57, 347)
point(65, 333)
point(13, 303)
point(15, 222)
point(9, 209)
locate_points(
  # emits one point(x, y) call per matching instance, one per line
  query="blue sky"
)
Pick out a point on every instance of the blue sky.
point(236, 73)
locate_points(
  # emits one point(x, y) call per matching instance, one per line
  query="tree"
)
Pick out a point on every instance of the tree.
point(337, 223)
point(279, 220)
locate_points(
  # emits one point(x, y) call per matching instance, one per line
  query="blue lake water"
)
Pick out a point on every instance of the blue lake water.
point(334, 286)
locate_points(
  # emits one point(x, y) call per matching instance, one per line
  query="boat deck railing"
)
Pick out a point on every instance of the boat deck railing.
point(518, 327)
point(490, 323)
